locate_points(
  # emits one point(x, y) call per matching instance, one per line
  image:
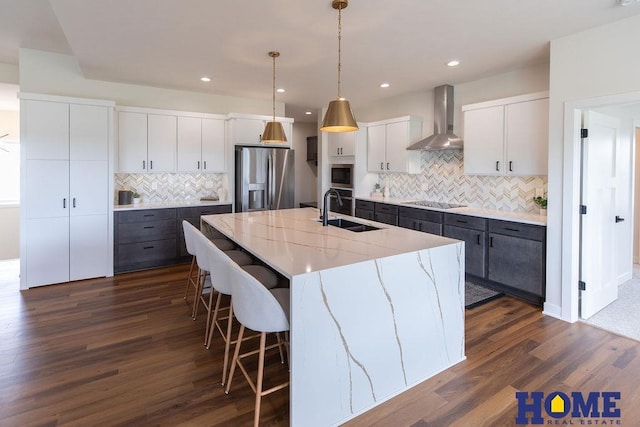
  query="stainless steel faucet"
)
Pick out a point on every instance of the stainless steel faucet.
point(325, 209)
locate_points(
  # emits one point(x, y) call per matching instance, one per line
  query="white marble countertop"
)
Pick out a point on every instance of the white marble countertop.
point(293, 242)
point(523, 217)
point(165, 205)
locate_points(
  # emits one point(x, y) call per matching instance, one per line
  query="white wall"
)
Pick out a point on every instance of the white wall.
point(9, 73)
point(306, 172)
point(57, 74)
point(9, 232)
point(599, 62)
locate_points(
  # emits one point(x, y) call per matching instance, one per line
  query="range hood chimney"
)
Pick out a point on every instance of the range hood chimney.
point(443, 137)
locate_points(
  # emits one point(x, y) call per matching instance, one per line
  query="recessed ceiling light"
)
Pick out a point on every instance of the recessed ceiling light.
point(205, 79)
point(384, 85)
point(280, 90)
point(453, 63)
point(308, 113)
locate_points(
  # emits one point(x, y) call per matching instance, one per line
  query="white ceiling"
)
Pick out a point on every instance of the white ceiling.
point(172, 43)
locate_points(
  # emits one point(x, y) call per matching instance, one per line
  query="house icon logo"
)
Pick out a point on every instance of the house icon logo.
point(557, 407)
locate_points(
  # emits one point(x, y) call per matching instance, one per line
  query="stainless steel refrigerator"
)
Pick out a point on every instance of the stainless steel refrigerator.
point(264, 178)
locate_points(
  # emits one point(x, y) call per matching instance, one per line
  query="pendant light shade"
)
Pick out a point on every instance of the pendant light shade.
point(339, 117)
point(273, 131)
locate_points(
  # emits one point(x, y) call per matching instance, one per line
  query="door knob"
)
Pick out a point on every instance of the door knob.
point(619, 218)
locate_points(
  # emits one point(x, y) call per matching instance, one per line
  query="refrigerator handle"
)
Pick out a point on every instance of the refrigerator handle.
point(269, 183)
point(272, 183)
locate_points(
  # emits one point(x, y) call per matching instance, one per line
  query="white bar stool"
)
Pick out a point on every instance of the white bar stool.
point(262, 310)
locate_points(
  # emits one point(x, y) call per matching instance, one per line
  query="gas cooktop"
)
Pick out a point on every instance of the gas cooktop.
point(430, 204)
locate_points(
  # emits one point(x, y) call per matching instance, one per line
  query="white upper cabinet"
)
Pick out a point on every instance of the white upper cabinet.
point(48, 125)
point(341, 143)
point(246, 129)
point(146, 141)
point(507, 136)
point(387, 143)
point(88, 133)
point(201, 145)
point(161, 142)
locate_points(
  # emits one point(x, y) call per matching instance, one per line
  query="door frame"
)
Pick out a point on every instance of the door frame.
point(572, 161)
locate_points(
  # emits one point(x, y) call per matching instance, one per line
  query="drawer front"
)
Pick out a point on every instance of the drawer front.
point(465, 221)
point(196, 212)
point(386, 209)
point(420, 225)
point(386, 218)
point(364, 204)
point(156, 250)
point(365, 213)
point(421, 214)
point(146, 231)
point(144, 215)
point(517, 229)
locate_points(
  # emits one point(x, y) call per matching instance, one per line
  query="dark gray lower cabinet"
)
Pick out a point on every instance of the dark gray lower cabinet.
point(385, 213)
point(517, 257)
point(418, 219)
point(474, 248)
point(151, 238)
point(364, 209)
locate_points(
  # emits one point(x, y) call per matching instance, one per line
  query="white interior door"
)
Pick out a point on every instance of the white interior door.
point(599, 191)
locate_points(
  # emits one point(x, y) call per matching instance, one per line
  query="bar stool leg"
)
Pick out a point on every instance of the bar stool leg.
point(235, 358)
point(256, 417)
point(189, 277)
point(227, 343)
point(216, 311)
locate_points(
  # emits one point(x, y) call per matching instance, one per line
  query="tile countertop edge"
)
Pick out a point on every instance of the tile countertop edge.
point(166, 205)
point(523, 217)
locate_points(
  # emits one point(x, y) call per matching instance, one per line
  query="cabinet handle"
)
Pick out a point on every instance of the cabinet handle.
point(381, 166)
point(510, 165)
point(205, 164)
point(337, 151)
point(64, 203)
point(619, 218)
point(150, 164)
point(149, 226)
point(478, 239)
point(419, 226)
point(387, 165)
point(144, 165)
point(149, 215)
point(148, 247)
point(490, 242)
point(74, 202)
point(198, 164)
point(461, 221)
point(511, 229)
point(498, 165)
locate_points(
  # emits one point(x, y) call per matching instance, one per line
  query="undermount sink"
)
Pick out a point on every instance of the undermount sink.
point(351, 225)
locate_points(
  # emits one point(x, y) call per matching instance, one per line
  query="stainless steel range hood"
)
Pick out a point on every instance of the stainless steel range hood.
point(443, 137)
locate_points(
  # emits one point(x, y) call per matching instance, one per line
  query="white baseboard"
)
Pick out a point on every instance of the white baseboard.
point(552, 310)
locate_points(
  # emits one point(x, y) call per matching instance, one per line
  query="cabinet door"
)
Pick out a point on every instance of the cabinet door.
point(396, 152)
point(47, 189)
point(132, 142)
point(161, 143)
point(474, 248)
point(88, 246)
point(248, 131)
point(189, 144)
point(213, 146)
point(376, 146)
point(88, 188)
point(516, 262)
point(365, 214)
point(341, 143)
point(88, 132)
point(47, 247)
point(527, 136)
point(484, 141)
point(46, 134)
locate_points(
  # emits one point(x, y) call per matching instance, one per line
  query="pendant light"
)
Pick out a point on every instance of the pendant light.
point(273, 131)
point(339, 117)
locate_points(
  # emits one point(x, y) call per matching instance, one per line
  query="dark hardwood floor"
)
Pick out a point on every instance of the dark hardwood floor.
point(124, 351)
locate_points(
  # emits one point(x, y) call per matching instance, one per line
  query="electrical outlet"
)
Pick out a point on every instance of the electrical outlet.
point(154, 185)
point(208, 184)
point(539, 192)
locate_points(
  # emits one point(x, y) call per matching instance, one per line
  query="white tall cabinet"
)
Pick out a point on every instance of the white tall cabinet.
point(66, 229)
point(507, 136)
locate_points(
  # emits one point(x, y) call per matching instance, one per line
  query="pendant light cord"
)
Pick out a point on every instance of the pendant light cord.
point(273, 98)
point(339, 46)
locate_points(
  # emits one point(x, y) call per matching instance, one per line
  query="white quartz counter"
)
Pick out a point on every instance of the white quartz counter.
point(294, 242)
point(523, 217)
point(166, 205)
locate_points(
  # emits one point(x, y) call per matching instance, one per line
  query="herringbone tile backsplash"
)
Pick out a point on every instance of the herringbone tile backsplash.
point(172, 187)
point(442, 180)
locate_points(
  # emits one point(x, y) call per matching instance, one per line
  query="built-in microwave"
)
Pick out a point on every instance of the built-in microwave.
point(342, 175)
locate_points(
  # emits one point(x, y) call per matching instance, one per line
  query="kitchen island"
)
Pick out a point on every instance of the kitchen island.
point(372, 313)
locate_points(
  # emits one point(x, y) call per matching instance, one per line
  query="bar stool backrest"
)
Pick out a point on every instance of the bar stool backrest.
point(254, 306)
point(189, 239)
